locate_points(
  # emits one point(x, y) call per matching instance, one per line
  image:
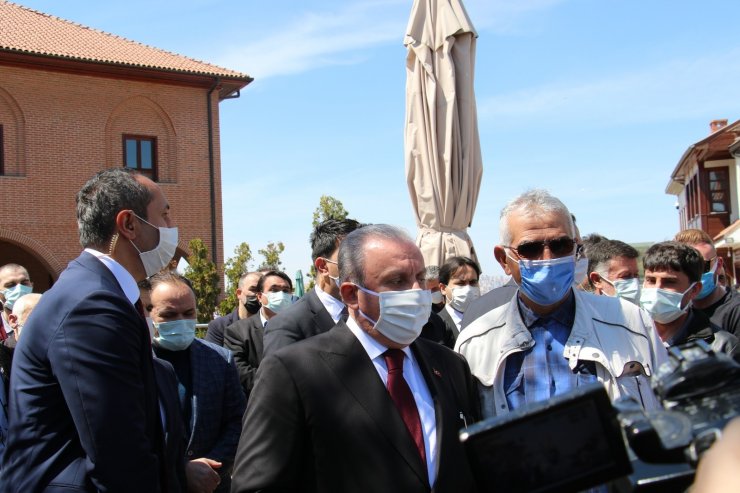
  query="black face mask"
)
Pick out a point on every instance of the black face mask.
point(252, 304)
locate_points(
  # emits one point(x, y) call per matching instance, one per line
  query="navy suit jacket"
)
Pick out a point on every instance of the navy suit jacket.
point(218, 405)
point(306, 318)
point(84, 410)
point(174, 431)
point(320, 420)
point(216, 327)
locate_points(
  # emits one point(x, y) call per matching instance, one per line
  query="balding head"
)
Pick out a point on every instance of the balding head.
point(21, 310)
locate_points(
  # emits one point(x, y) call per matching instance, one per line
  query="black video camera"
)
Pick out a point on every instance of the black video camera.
point(580, 440)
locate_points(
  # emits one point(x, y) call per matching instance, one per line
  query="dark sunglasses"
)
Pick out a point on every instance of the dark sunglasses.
point(533, 249)
point(708, 264)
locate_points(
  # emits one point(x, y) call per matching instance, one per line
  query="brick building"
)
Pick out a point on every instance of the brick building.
point(706, 182)
point(73, 101)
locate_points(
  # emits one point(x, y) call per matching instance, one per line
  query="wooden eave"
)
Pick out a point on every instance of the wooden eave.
point(227, 85)
point(712, 148)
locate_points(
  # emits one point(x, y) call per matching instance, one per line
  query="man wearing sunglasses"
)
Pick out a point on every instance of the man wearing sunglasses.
point(550, 338)
point(720, 304)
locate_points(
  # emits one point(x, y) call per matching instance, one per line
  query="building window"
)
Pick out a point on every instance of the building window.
point(140, 154)
point(718, 190)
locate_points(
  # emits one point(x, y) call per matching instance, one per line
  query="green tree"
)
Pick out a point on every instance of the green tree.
point(234, 268)
point(203, 275)
point(328, 208)
point(271, 253)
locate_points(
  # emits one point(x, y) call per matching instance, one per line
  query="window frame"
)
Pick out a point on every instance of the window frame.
point(722, 178)
point(152, 172)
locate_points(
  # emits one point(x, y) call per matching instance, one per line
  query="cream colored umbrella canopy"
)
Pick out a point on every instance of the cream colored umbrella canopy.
point(441, 144)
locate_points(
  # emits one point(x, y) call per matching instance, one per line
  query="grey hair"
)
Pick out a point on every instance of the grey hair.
point(102, 198)
point(243, 278)
point(351, 257)
point(532, 203)
point(25, 304)
point(431, 273)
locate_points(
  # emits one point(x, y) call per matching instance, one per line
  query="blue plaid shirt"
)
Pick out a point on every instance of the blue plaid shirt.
point(542, 371)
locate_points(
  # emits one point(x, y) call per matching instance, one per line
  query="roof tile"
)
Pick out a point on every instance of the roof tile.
point(29, 31)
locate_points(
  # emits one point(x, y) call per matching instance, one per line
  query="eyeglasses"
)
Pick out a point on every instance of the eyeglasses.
point(708, 264)
point(533, 249)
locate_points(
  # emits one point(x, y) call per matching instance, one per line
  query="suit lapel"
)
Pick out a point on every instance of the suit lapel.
point(322, 321)
point(352, 366)
point(434, 372)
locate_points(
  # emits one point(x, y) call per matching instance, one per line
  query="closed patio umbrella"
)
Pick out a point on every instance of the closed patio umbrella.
point(441, 143)
point(299, 290)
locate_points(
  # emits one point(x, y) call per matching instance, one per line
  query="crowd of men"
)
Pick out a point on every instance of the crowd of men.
point(363, 384)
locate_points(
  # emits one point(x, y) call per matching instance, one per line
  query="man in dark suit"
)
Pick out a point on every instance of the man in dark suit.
point(84, 411)
point(321, 417)
point(317, 311)
point(210, 397)
point(245, 337)
point(246, 295)
point(174, 429)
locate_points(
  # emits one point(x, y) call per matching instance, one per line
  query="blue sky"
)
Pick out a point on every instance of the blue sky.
point(594, 100)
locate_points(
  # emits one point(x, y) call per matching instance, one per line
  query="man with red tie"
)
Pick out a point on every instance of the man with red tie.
point(366, 406)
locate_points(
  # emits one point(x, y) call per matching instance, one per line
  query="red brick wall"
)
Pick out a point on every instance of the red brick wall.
point(61, 128)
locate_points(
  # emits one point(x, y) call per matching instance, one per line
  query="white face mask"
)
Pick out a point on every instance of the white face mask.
point(628, 289)
point(156, 259)
point(437, 297)
point(462, 296)
point(277, 301)
point(402, 313)
point(663, 305)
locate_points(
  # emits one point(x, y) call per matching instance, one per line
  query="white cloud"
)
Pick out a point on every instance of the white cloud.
point(318, 39)
point(678, 89)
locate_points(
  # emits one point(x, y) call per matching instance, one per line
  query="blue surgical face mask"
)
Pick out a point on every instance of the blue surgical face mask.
point(707, 283)
point(546, 281)
point(175, 335)
point(12, 294)
point(664, 305)
point(277, 301)
point(628, 289)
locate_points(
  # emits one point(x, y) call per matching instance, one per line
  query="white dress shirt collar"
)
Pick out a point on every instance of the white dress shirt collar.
point(124, 277)
point(372, 347)
point(456, 315)
point(332, 305)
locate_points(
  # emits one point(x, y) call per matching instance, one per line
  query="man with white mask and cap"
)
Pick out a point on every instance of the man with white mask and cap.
point(366, 406)
point(550, 338)
point(85, 414)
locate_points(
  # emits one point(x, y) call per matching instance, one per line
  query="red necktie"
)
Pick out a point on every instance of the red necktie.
point(404, 399)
